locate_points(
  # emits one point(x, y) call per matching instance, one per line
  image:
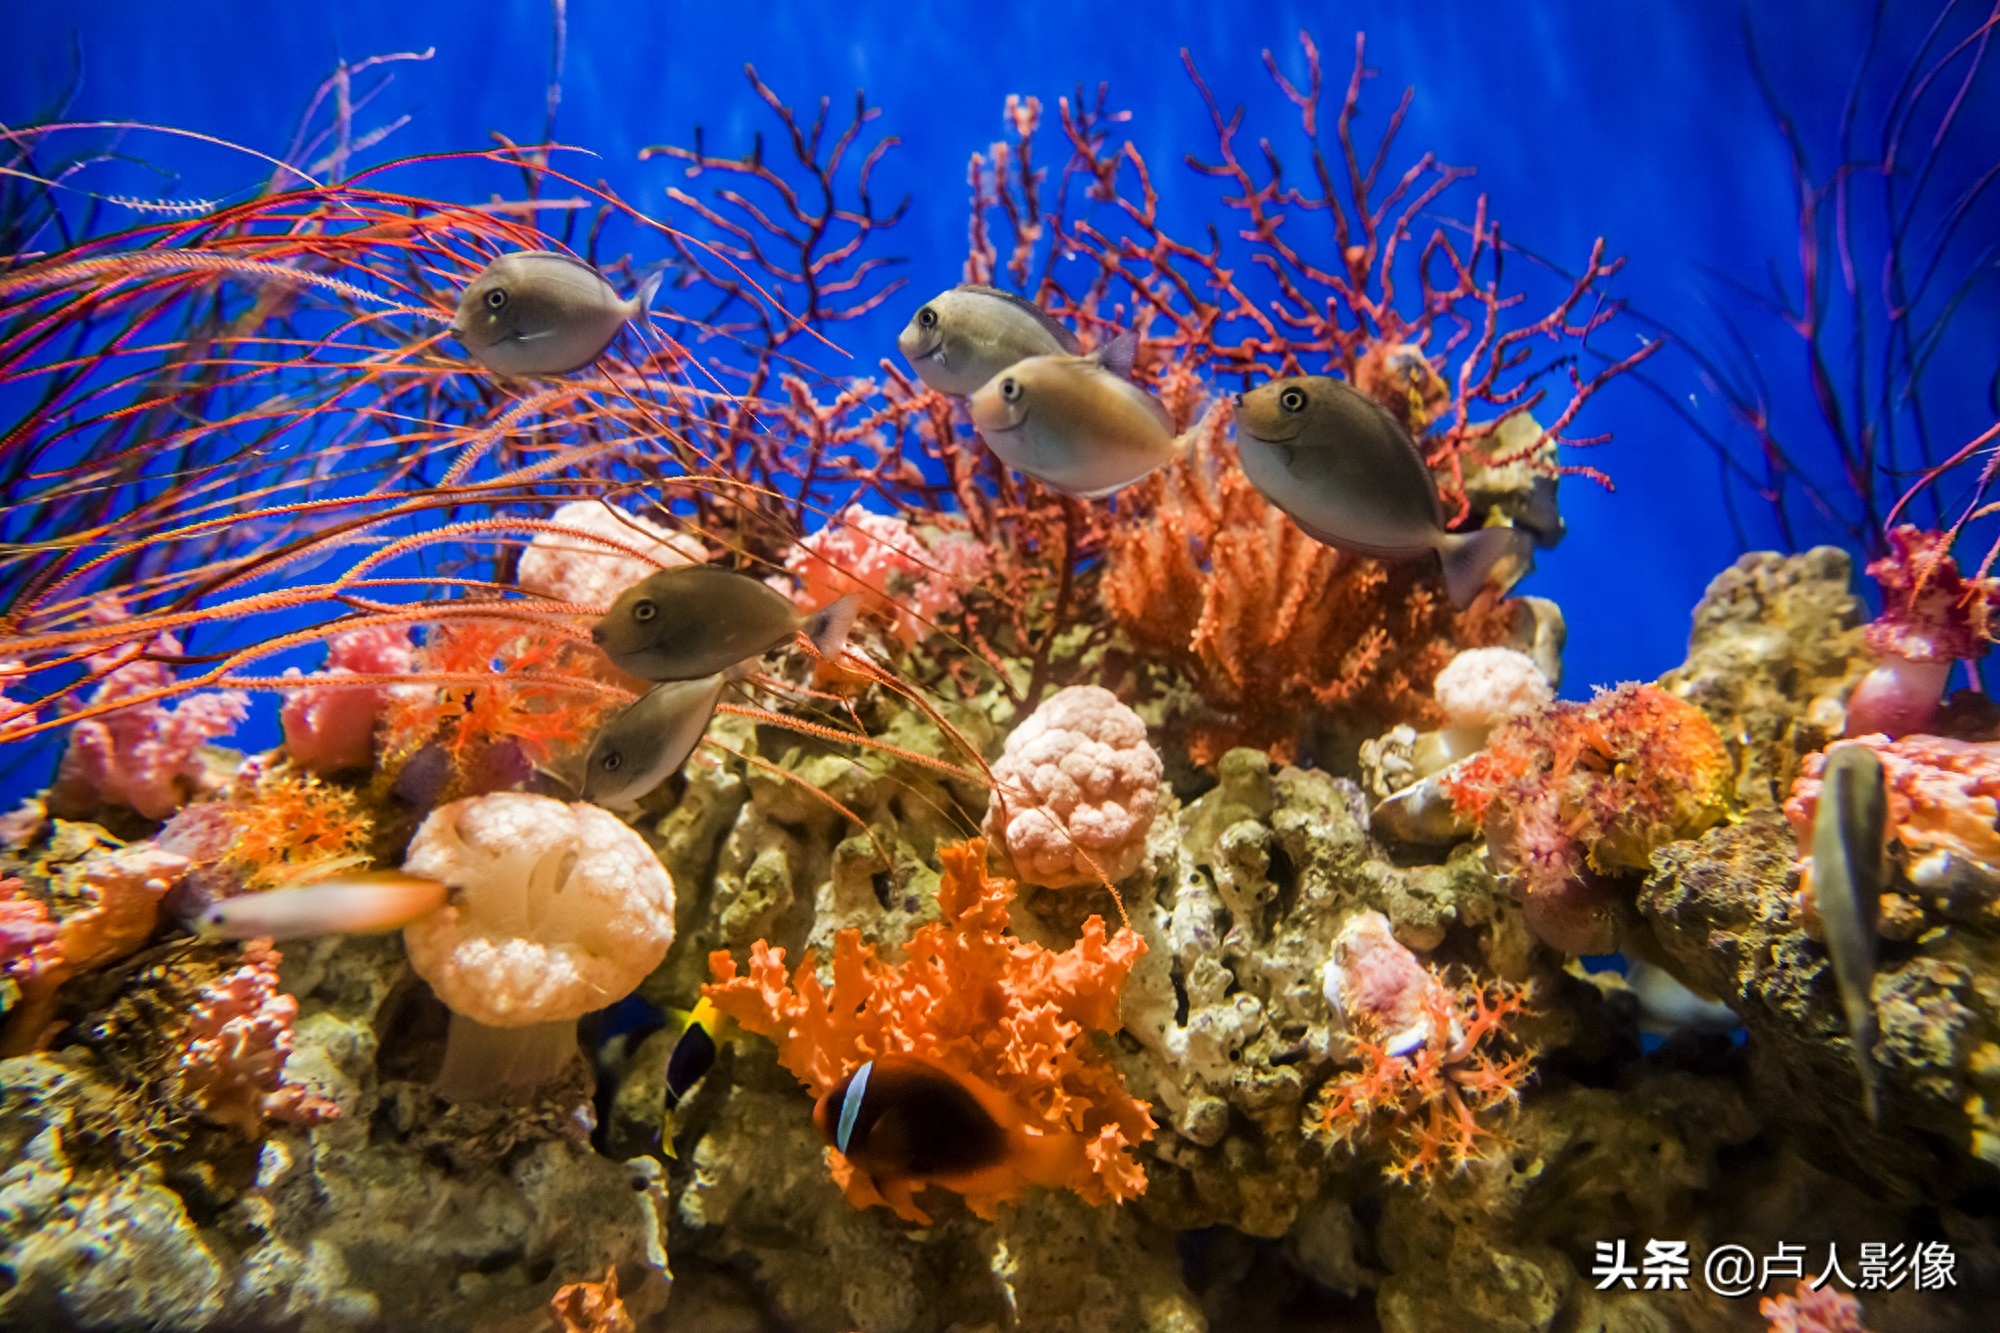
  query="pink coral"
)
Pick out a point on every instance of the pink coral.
point(1809, 1311)
point(1483, 687)
point(145, 755)
point(237, 1041)
point(1376, 985)
point(912, 576)
point(1075, 790)
point(14, 716)
point(329, 727)
point(571, 568)
point(1944, 800)
point(1931, 617)
point(27, 936)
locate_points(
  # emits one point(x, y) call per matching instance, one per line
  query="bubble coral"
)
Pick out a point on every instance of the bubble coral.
point(1478, 690)
point(571, 567)
point(909, 576)
point(1577, 791)
point(1075, 790)
point(1931, 617)
point(966, 996)
point(556, 910)
point(330, 727)
point(237, 1040)
point(1944, 805)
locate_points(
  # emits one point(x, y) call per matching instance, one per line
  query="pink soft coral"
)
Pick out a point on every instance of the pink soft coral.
point(971, 997)
point(329, 726)
point(27, 936)
point(909, 576)
point(145, 755)
point(1075, 790)
point(1809, 1311)
point(1931, 617)
point(237, 1041)
point(14, 715)
point(576, 568)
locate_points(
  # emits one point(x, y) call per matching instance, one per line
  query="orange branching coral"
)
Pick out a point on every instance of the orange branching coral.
point(289, 826)
point(591, 1307)
point(1575, 790)
point(1429, 1105)
point(968, 996)
point(1269, 623)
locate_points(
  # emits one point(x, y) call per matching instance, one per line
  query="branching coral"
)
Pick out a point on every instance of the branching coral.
point(1576, 791)
point(1433, 1062)
point(287, 827)
point(1075, 790)
point(330, 727)
point(969, 996)
point(237, 1040)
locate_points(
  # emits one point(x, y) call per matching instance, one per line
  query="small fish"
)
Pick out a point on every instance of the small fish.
point(354, 905)
point(696, 620)
point(692, 1057)
point(1850, 868)
point(908, 1122)
point(1348, 473)
point(1076, 422)
point(964, 337)
point(1666, 1006)
point(536, 312)
point(648, 742)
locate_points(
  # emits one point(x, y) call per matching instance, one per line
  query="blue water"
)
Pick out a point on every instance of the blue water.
point(1641, 123)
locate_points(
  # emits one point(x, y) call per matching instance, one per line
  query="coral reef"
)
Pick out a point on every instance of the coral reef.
point(238, 1037)
point(913, 578)
point(1931, 618)
point(331, 727)
point(592, 551)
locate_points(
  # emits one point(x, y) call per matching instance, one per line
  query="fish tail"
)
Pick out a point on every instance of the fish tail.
point(1469, 558)
point(828, 627)
point(642, 300)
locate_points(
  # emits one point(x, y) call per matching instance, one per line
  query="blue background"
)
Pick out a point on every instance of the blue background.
point(1640, 122)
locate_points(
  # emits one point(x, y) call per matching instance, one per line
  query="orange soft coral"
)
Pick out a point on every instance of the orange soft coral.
point(1268, 623)
point(1429, 1105)
point(591, 1307)
point(967, 996)
point(290, 826)
point(1574, 791)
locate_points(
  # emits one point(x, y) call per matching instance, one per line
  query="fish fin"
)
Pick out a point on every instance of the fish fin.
point(642, 300)
point(1057, 329)
point(1117, 355)
point(828, 627)
point(667, 1136)
point(1469, 557)
point(1053, 1159)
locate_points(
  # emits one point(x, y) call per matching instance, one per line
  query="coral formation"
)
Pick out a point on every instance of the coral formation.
point(1806, 1310)
point(283, 827)
point(592, 551)
point(912, 578)
point(1931, 617)
point(330, 727)
point(237, 1040)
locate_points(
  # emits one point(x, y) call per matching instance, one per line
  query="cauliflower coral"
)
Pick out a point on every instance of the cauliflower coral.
point(556, 910)
point(595, 560)
point(1075, 790)
point(911, 577)
point(967, 996)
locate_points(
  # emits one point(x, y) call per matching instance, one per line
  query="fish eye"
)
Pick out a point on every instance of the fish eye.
point(496, 299)
point(1293, 399)
point(1010, 389)
point(643, 611)
point(927, 318)
point(611, 761)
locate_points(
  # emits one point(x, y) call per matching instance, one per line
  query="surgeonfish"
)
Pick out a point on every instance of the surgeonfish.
point(696, 620)
point(1348, 473)
point(962, 338)
point(909, 1122)
point(693, 1055)
point(1850, 868)
point(647, 743)
point(1076, 422)
point(536, 312)
point(351, 905)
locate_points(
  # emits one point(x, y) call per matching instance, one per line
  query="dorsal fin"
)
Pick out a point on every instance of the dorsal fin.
point(1055, 326)
point(1118, 355)
point(556, 254)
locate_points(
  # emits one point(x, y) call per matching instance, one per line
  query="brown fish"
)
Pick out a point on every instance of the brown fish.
point(536, 312)
point(962, 338)
point(1348, 473)
point(1850, 868)
point(648, 742)
point(697, 620)
point(1076, 423)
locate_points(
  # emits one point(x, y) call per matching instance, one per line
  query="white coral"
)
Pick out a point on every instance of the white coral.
point(1483, 687)
point(555, 910)
point(570, 568)
point(1076, 788)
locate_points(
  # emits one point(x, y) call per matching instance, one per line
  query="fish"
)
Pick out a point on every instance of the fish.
point(536, 312)
point(1077, 423)
point(1666, 1006)
point(962, 338)
point(648, 742)
point(1850, 869)
point(351, 905)
point(907, 1122)
point(693, 1055)
point(1349, 475)
point(695, 620)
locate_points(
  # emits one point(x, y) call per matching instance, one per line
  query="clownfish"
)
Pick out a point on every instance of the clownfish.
point(907, 1122)
point(701, 1037)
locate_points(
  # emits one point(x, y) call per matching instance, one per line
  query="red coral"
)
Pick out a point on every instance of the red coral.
point(237, 1041)
point(971, 997)
point(1930, 613)
point(1809, 1311)
point(1576, 790)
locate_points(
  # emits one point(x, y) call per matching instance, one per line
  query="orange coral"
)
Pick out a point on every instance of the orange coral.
point(1267, 622)
point(970, 997)
point(289, 825)
point(1944, 796)
point(1426, 1105)
point(591, 1307)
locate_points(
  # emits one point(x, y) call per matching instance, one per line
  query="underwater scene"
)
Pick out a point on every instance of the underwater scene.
point(802, 668)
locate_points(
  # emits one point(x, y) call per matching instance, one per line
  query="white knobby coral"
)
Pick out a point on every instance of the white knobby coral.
point(1075, 790)
point(571, 568)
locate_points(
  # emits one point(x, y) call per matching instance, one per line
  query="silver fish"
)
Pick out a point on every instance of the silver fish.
point(648, 742)
point(1076, 422)
point(537, 312)
point(696, 620)
point(1849, 871)
point(962, 338)
point(354, 905)
point(1347, 472)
